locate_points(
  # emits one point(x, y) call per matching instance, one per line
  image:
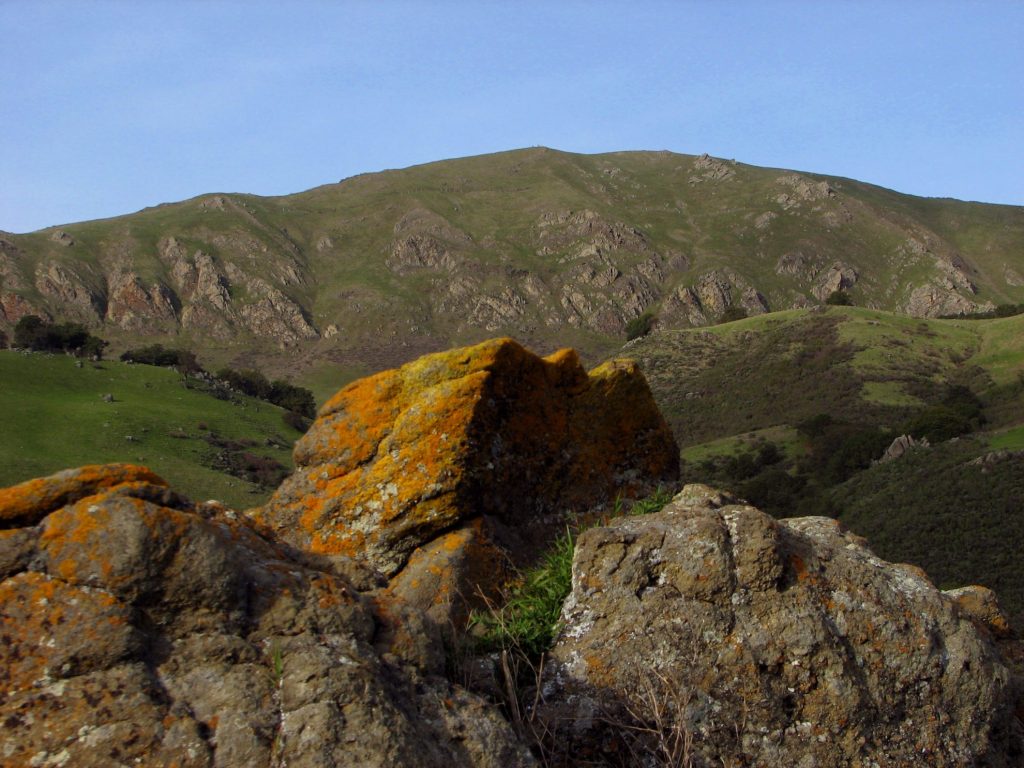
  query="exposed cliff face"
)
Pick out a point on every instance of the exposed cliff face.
point(534, 244)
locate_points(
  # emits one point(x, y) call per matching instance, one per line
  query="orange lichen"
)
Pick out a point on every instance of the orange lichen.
point(491, 429)
point(29, 502)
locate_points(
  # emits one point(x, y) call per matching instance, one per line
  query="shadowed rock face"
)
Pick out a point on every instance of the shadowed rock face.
point(139, 628)
point(397, 459)
point(751, 641)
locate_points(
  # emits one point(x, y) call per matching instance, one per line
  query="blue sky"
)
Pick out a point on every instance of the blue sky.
point(108, 107)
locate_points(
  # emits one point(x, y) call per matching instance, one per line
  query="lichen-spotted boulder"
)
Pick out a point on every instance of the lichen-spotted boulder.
point(396, 459)
point(138, 628)
point(712, 631)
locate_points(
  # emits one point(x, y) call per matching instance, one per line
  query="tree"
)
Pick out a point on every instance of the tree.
point(29, 331)
point(640, 326)
point(732, 313)
point(839, 299)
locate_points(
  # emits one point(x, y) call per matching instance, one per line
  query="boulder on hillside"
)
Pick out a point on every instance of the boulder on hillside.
point(140, 628)
point(713, 634)
point(486, 444)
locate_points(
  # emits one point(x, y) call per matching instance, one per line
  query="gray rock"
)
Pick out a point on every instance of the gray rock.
point(713, 631)
point(152, 630)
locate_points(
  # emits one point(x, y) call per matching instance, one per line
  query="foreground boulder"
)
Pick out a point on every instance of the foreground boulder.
point(139, 628)
point(487, 432)
point(712, 634)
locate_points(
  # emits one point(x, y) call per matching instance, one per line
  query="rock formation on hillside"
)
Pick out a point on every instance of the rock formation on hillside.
point(713, 629)
point(138, 627)
point(485, 443)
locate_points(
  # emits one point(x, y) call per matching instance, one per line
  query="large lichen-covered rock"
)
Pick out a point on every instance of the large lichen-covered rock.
point(713, 631)
point(396, 459)
point(137, 628)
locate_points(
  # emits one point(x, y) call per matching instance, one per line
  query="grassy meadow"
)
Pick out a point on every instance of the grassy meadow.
point(54, 416)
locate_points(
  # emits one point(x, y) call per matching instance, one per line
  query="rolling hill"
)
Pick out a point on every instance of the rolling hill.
point(550, 247)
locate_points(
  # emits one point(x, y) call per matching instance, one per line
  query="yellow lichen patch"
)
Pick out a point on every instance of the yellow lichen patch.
point(111, 540)
point(490, 429)
point(29, 502)
point(49, 628)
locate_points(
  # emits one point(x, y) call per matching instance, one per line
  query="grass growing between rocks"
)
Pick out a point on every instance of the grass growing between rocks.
point(528, 621)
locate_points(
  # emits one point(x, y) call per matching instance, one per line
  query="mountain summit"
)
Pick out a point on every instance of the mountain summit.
point(547, 246)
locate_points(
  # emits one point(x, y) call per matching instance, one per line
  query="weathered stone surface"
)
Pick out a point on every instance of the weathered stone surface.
point(139, 628)
point(742, 640)
point(27, 503)
point(900, 445)
point(396, 459)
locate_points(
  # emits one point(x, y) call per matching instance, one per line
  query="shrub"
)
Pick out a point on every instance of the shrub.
point(640, 326)
point(839, 299)
point(296, 421)
point(183, 360)
point(292, 398)
point(32, 332)
point(247, 381)
point(732, 313)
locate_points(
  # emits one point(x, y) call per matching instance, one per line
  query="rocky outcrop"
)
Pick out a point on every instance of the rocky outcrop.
point(490, 431)
point(714, 292)
point(838, 277)
point(713, 631)
point(140, 628)
point(940, 297)
point(134, 307)
point(898, 447)
point(69, 291)
point(707, 168)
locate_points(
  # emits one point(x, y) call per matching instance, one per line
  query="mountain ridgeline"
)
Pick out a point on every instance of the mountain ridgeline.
point(550, 247)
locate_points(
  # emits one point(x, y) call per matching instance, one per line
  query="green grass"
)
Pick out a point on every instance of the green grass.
point(1011, 439)
point(527, 621)
point(888, 393)
point(1001, 351)
point(54, 417)
point(785, 438)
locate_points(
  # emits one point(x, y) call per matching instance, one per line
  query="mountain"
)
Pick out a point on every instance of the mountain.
point(550, 247)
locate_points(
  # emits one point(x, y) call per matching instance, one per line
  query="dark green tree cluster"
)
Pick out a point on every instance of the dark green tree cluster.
point(732, 313)
point(32, 332)
point(279, 392)
point(839, 299)
point(959, 413)
point(1003, 310)
point(640, 326)
point(156, 354)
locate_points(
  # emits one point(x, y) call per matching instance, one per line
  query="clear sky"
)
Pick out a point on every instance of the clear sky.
point(108, 107)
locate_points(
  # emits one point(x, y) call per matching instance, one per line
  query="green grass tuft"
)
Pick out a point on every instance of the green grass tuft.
point(528, 622)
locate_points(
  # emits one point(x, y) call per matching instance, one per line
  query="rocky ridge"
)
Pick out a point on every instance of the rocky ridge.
point(533, 243)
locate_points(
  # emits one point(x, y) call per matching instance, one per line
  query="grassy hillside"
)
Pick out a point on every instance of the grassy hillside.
point(789, 410)
point(54, 416)
point(551, 247)
point(959, 519)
